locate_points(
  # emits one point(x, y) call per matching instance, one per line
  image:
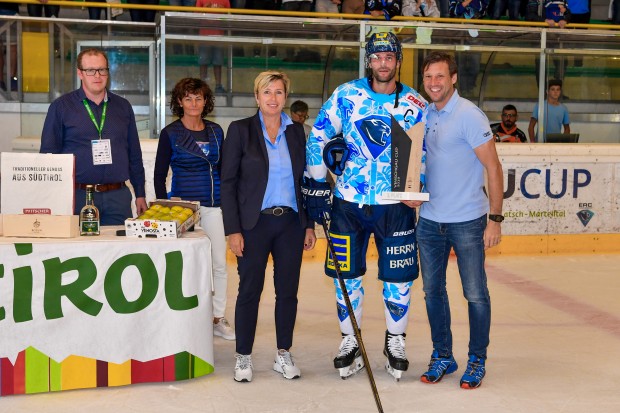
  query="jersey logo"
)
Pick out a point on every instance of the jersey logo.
point(417, 102)
point(376, 134)
point(346, 107)
point(397, 311)
point(342, 248)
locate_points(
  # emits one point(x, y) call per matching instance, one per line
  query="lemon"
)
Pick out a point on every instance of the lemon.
point(188, 211)
point(164, 210)
point(177, 208)
point(155, 207)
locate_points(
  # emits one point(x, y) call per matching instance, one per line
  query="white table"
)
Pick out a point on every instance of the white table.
point(103, 311)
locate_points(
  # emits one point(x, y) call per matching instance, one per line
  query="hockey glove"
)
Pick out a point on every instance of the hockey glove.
point(317, 199)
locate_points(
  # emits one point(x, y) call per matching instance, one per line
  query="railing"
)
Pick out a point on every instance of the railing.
point(499, 61)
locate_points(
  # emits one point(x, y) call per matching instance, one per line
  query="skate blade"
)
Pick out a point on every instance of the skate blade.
point(346, 372)
point(397, 374)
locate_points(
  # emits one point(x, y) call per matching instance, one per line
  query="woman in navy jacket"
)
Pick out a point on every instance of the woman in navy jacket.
point(191, 146)
point(262, 168)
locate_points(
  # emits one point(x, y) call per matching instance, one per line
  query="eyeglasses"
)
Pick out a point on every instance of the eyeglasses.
point(102, 72)
point(508, 115)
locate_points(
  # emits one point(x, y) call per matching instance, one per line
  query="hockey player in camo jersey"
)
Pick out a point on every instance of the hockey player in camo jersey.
point(359, 116)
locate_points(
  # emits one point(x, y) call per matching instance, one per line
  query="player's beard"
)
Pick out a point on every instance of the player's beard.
point(382, 77)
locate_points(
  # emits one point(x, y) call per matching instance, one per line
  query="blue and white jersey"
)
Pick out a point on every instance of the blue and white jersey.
point(364, 119)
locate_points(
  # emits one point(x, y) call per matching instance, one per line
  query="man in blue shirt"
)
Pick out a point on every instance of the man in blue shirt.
point(459, 149)
point(99, 128)
point(556, 113)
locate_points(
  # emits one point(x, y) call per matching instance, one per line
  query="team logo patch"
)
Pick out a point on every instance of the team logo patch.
point(375, 132)
point(585, 216)
point(342, 311)
point(397, 311)
point(342, 247)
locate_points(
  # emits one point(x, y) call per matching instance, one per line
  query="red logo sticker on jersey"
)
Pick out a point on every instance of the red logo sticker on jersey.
point(419, 103)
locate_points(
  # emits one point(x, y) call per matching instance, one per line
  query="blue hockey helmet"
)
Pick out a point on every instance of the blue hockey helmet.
point(383, 42)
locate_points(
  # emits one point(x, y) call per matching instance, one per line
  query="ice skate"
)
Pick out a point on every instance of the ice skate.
point(394, 350)
point(349, 359)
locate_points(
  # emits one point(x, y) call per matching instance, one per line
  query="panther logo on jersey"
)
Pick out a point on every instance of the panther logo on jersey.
point(376, 133)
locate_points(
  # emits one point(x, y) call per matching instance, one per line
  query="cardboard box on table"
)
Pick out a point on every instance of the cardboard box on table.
point(37, 195)
point(155, 228)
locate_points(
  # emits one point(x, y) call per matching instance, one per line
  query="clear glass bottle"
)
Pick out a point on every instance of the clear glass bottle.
point(89, 215)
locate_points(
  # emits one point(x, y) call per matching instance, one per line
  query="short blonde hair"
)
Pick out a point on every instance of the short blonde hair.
point(265, 78)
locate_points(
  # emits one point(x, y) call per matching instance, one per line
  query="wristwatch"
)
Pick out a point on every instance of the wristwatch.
point(496, 218)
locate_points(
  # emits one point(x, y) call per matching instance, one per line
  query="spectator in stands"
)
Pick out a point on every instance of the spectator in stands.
point(615, 11)
point(500, 7)
point(555, 11)
point(555, 113)
point(468, 62)
point(326, 6)
point(36, 10)
point(506, 130)
point(212, 54)
point(145, 15)
point(94, 13)
point(420, 8)
point(531, 10)
point(296, 5)
point(183, 3)
point(9, 9)
point(299, 114)
point(386, 8)
point(351, 6)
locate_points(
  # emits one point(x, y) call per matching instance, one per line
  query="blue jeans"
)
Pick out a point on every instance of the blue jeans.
point(435, 240)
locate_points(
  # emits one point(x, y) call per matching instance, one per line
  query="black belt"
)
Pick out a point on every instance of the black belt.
point(101, 187)
point(277, 211)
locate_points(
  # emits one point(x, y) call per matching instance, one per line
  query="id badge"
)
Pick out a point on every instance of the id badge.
point(102, 152)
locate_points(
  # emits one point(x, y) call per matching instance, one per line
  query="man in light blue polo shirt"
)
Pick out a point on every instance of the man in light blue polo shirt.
point(459, 148)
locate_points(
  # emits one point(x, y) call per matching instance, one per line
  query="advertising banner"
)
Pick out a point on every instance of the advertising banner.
point(37, 183)
point(561, 197)
point(111, 299)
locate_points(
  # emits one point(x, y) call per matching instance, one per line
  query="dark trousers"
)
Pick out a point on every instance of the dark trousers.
point(36, 10)
point(143, 15)
point(283, 238)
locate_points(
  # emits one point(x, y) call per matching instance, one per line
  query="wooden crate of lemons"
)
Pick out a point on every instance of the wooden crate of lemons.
point(164, 219)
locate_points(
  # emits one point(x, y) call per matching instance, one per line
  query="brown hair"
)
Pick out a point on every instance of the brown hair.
point(188, 86)
point(437, 57)
point(93, 52)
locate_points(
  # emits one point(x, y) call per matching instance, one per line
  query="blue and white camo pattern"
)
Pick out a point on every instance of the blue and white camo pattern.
point(364, 119)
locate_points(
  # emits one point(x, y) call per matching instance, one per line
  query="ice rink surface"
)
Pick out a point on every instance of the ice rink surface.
point(555, 348)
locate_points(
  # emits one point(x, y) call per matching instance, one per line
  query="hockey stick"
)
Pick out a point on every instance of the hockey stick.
point(356, 330)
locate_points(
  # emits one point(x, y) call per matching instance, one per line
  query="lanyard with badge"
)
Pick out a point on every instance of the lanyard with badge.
point(102, 149)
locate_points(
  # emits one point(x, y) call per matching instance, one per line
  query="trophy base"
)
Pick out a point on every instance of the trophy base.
point(406, 196)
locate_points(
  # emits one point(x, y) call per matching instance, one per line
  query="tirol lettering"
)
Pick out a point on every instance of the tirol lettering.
point(56, 288)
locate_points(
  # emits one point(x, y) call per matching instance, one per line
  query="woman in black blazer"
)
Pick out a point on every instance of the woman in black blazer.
point(263, 160)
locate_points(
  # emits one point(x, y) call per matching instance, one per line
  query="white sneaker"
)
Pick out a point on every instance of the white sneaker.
point(223, 329)
point(243, 368)
point(284, 364)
